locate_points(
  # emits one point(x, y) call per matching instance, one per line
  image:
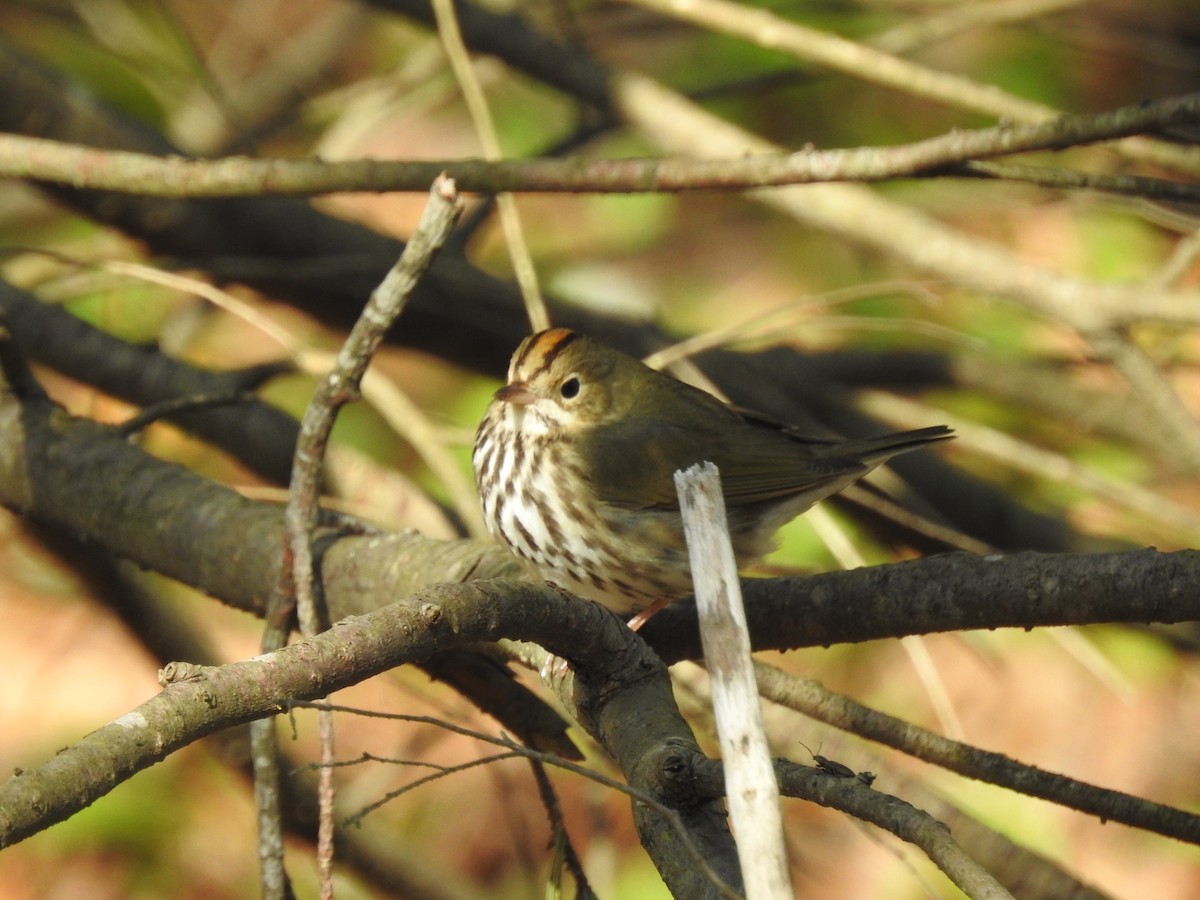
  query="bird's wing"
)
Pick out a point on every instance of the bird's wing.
point(633, 464)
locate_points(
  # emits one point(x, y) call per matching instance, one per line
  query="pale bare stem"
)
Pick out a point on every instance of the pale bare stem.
point(1026, 457)
point(1152, 387)
point(835, 539)
point(263, 88)
point(273, 876)
point(1052, 467)
point(774, 326)
point(915, 522)
point(523, 268)
point(921, 31)
point(409, 421)
point(765, 29)
point(405, 417)
point(72, 287)
point(340, 386)
point(917, 651)
point(481, 116)
point(326, 798)
point(1078, 645)
point(1183, 257)
point(750, 786)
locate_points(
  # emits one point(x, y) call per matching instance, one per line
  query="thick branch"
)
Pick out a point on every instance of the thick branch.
point(86, 478)
point(621, 690)
point(923, 596)
point(255, 432)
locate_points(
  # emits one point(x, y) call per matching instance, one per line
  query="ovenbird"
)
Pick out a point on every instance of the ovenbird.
point(575, 462)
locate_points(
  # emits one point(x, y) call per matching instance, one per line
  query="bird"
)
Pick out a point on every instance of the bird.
point(575, 460)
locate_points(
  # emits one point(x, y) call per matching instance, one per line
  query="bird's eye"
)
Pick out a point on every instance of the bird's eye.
point(570, 388)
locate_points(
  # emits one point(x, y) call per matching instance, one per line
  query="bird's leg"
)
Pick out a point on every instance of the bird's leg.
point(644, 616)
point(558, 666)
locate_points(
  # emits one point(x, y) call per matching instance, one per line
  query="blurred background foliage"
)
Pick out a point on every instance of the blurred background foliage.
point(344, 80)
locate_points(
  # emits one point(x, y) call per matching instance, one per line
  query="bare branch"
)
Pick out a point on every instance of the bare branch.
point(155, 176)
point(814, 700)
point(750, 782)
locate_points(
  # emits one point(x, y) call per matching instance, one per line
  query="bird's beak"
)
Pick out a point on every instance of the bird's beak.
point(518, 392)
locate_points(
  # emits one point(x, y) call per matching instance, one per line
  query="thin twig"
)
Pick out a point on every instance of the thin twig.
point(148, 175)
point(583, 888)
point(551, 759)
point(816, 701)
point(340, 386)
point(383, 800)
point(846, 792)
point(1158, 189)
point(190, 403)
point(1152, 387)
